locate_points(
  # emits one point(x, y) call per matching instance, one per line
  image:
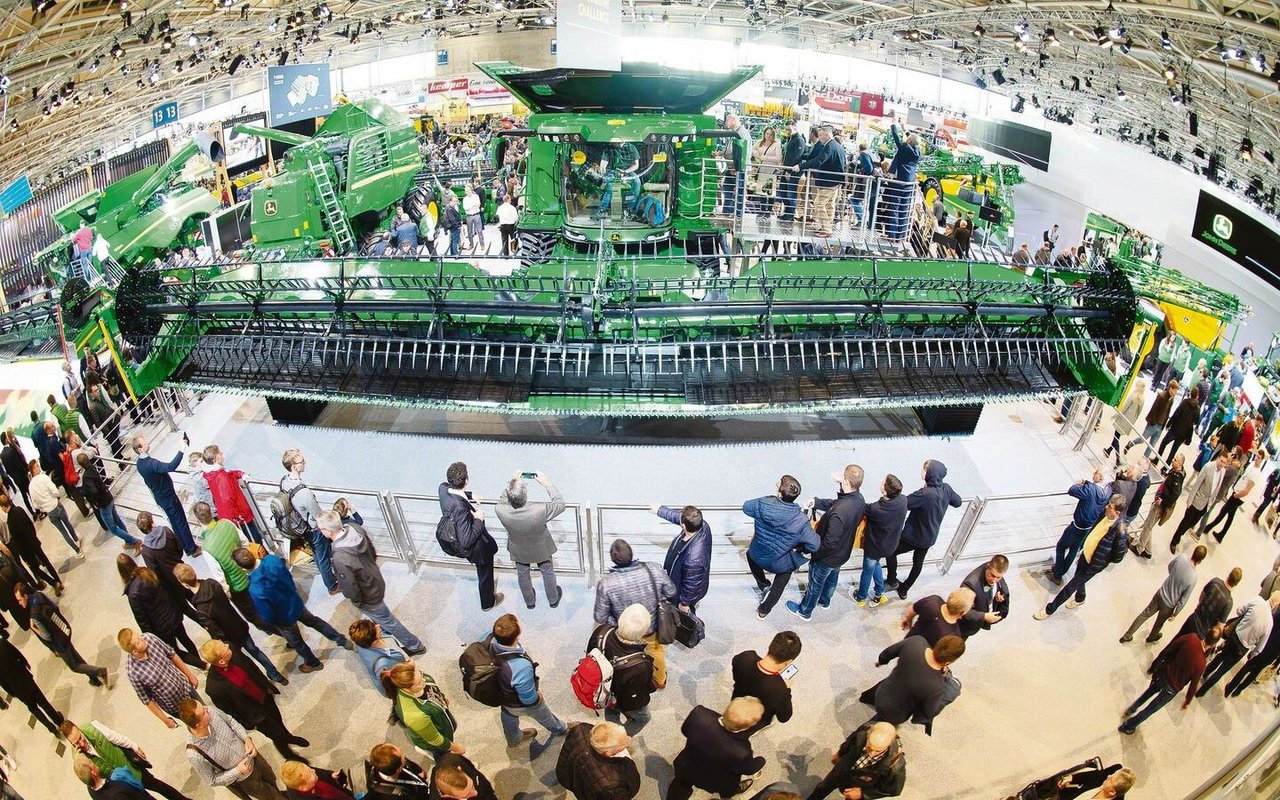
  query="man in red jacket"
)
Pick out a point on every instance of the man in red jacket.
point(228, 497)
point(1181, 663)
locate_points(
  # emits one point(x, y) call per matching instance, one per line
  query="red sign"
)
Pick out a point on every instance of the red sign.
point(836, 100)
point(447, 85)
point(872, 104)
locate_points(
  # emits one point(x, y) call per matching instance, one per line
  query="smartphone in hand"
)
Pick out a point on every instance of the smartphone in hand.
point(790, 672)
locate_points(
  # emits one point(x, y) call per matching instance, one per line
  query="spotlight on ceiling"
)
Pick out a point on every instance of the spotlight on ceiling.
point(1170, 74)
point(1022, 31)
point(1258, 62)
point(1018, 103)
point(1223, 52)
point(979, 31)
point(1050, 38)
point(1120, 95)
point(1165, 41)
point(116, 50)
point(1246, 148)
point(1127, 45)
point(1174, 97)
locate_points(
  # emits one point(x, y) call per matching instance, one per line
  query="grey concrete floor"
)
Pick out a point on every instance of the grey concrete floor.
point(1037, 696)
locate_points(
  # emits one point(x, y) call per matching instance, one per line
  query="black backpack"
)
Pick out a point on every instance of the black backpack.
point(447, 537)
point(481, 674)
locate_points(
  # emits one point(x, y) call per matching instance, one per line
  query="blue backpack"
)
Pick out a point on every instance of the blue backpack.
point(650, 210)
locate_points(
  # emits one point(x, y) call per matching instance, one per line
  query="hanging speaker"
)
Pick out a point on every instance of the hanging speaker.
point(1193, 124)
point(235, 64)
point(998, 75)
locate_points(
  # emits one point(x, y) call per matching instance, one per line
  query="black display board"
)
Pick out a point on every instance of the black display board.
point(1009, 139)
point(1238, 236)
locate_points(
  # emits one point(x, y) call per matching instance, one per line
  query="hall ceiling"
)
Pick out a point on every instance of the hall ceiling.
point(1105, 67)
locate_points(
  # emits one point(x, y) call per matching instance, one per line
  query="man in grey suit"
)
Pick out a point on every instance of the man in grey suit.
point(528, 541)
point(1211, 484)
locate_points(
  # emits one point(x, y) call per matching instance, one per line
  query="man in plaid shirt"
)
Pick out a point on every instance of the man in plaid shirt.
point(161, 679)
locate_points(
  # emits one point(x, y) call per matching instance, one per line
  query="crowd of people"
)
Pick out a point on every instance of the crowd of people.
point(220, 686)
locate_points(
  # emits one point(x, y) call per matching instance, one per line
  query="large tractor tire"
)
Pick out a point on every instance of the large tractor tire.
point(931, 188)
point(535, 247)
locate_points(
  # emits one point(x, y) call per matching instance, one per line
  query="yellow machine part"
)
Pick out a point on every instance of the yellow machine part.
point(1202, 330)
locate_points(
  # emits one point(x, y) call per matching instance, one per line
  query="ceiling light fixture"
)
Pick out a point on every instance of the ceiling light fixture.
point(1246, 148)
point(1258, 62)
point(1050, 38)
point(1120, 95)
point(1165, 41)
point(979, 31)
point(1126, 46)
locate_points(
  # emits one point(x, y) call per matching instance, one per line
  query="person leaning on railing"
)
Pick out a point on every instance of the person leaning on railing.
point(825, 166)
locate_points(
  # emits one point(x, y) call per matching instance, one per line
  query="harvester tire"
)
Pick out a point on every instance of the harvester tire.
point(534, 247)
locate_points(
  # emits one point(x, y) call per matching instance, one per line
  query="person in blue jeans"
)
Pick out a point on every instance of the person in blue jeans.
point(518, 678)
point(1180, 664)
point(1091, 498)
point(276, 599)
point(782, 530)
point(215, 613)
point(885, 518)
point(836, 530)
point(305, 503)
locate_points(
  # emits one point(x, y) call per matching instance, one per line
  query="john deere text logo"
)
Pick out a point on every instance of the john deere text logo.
point(1222, 226)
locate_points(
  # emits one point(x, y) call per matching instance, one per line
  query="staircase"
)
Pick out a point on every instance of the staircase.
point(334, 215)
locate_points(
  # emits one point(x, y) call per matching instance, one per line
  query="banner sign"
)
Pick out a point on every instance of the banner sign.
point(487, 88)
point(851, 102)
point(163, 114)
point(296, 92)
point(447, 85)
point(589, 34)
point(15, 194)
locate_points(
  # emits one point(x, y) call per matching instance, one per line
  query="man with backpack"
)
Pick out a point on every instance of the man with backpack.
point(296, 513)
point(499, 673)
point(355, 565)
point(617, 674)
point(462, 532)
point(634, 581)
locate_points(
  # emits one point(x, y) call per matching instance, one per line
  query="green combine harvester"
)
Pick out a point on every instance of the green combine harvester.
point(617, 302)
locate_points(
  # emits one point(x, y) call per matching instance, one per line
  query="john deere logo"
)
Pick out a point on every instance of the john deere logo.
point(269, 208)
point(1222, 226)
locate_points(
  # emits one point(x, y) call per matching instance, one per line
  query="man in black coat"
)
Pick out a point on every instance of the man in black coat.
point(793, 148)
point(457, 503)
point(105, 787)
point(239, 689)
point(388, 774)
point(15, 463)
point(215, 613)
point(454, 777)
point(926, 507)
point(594, 763)
point(717, 755)
point(837, 529)
point(54, 632)
point(16, 679)
point(24, 543)
point(870, 760)
point(990, 596)
point(885, 518)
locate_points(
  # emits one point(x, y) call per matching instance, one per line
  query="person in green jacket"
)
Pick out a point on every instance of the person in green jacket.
point(109, 751)
point(422, 708)
point(219, 539)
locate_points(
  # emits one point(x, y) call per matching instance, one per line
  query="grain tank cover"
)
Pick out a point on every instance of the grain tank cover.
point(635, 89)
point(353, 117)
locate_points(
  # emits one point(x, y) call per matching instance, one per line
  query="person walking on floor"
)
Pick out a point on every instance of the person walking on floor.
point(632, 581)
point(239, 689)
point(932, 617)
point(463, 509)
point(1244, 635)
point(1244, 486)
point(1130, 410)
point(594, 763)
point(926, 507)
point(885, 518)
point(160, 679)
point(518, 681)
point(632, 684)
point(422, 708)
point(528, 541)
point(920, 685)
point(109, 751)
point(1182, 423)
point(16, 679)
point(25, 545)
point(1180, 664)
point(869, 764)
point(688, 559)
point(717, 756)
point(1091, 498)
point(54, 632)
point(16, 465)
point(47, 500)
point(1209, 484)
point(1157, 417)
point(216, 614)
point(1268, 656)
point(1106, 544)
point(303, 501)
point(276, 598)
point(837, 528)
point(454, 777)
point(762, 679)
point(1162, 506)
point(154, 611)
point(1214, 605)
point(990, 596)
point(1172, 595)
point(355, 566)
point(782, 531)
point(96, 492)
point(161, 552)
point(155, 474)
point(221, 753)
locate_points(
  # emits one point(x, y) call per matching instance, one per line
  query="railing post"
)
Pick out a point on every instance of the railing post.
point(268, 533)
point(399, 530)
point(1095, 415)
point(589, 543)
point(968, 523)
point(165, 412)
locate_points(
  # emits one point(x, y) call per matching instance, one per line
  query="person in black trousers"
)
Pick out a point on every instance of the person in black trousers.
point(154, 610)
point(24, 543)
point(870, 760)
point(15, 463)
point(1269, 655)
point(237, 687)
point(54, 632)
point(717, 755)
point(457, 503)
point(16, 679)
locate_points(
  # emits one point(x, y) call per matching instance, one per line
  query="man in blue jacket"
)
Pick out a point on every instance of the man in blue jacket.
point(1091, 497)
point(885, 518)
point(826, 163)
point(836, 530)
point(926, 507)
point(903, 167)
point(155, 474)
point(277, 601)
point(688, 561)
point(782, 530)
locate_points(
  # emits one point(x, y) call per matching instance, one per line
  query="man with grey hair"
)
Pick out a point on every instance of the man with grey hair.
point(594, 763)
point(731, 185)
point(355, 567)
point(155, 474)
point(870, 763)
point(528, 541)
point(624, 647)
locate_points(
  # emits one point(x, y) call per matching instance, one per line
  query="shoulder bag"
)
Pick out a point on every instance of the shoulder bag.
point(667, 622)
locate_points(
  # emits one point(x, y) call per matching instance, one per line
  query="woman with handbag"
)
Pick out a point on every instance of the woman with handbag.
point(422, 708)
point(154, 610)
point(767, 155)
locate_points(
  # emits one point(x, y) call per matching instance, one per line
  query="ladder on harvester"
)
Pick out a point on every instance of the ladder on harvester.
point(334, 215)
